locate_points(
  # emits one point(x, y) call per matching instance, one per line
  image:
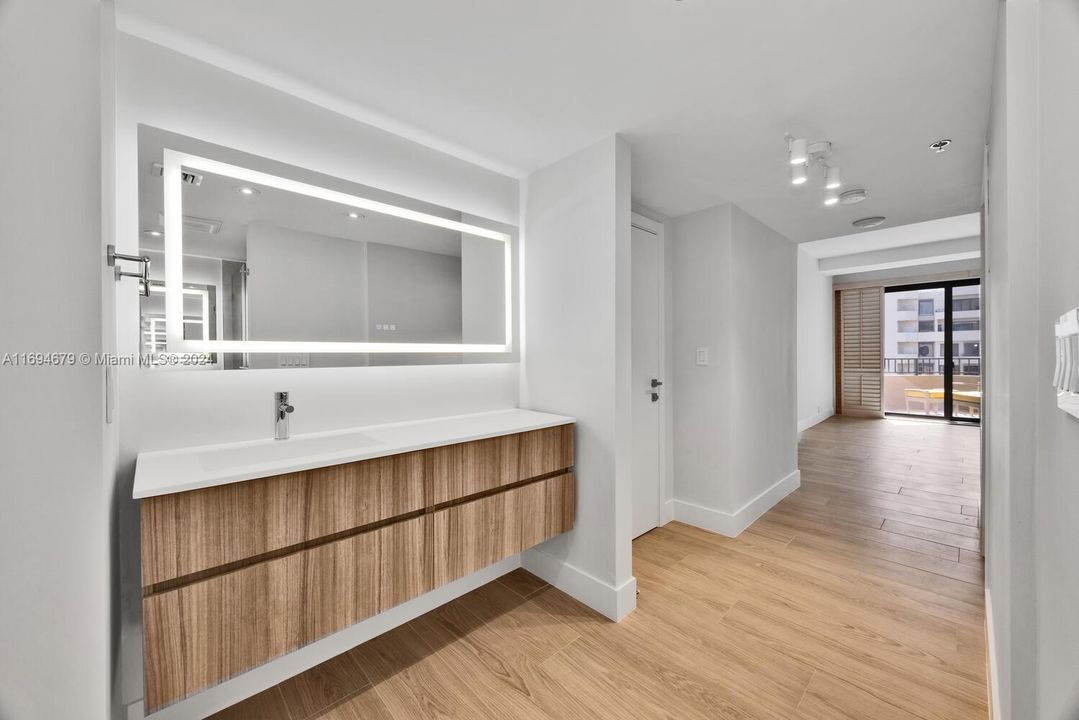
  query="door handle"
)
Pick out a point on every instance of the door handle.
point(656, 383)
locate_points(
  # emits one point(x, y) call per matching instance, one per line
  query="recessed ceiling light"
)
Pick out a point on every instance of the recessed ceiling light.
point(247, 190)
point(353, 215)
point(869, 222)
point(940, 145)
point(853, 197)
point(152, 233)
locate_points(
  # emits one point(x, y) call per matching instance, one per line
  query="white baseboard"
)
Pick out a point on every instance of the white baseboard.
point(732, 524)
point(606, 599)
point(252, 682)
point(666, 512)
point(991, 650)
point(809, 422)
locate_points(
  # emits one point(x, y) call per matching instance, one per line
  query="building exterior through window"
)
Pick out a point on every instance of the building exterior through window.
point(915, 351)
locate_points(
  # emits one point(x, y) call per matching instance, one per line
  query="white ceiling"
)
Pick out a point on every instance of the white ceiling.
point(703, 89)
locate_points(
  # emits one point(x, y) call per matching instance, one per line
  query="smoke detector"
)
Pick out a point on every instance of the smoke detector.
point(868, 222)
point(853, 197)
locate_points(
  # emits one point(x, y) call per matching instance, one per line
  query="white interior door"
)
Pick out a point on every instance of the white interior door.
point(647, 396)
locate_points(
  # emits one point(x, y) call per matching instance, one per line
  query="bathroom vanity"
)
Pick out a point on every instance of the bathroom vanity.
point(251, 550)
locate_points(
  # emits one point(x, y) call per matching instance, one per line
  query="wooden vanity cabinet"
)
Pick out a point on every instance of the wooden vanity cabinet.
point(472, 535)
point(239, 574)
point(186, 534)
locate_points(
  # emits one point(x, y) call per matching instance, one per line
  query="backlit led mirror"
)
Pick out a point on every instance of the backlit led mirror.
point(256, 266)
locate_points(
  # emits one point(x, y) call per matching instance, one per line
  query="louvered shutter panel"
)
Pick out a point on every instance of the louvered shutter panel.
point(861, 349)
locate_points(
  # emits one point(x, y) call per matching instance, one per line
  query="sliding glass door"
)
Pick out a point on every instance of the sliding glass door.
point(965, 325)
point(933, 350)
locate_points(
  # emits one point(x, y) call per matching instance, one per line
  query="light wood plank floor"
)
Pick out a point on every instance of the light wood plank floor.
point(857, 597)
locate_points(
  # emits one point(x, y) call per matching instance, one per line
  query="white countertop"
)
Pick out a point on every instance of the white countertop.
point(172, 471)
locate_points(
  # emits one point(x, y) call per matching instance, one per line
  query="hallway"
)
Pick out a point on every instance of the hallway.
point(859, 596)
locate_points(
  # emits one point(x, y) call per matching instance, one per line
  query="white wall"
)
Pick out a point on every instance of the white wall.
point(419, 293)
point(735, 420)
point(55, 622)
point(1057, 494)
point(1008, 421)
point(416, 291)
point(1032, 496)
point(171, 409)
point(701, 253)
point(816, 343)
point(764, 272)
point(483, 285)
point(577, 354)
point(318, 294)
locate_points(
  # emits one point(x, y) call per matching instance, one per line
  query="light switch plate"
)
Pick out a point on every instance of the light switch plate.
point(702, 356)
point(1066, 373)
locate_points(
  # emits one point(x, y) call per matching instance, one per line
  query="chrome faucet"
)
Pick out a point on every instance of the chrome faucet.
point(281, 411)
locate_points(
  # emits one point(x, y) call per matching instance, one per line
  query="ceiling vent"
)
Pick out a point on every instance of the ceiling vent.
point(869, 222)
point(196, 224)
point(853, 197)
point(190, 178)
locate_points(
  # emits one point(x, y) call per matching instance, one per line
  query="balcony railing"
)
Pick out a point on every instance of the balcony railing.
point(931, 366)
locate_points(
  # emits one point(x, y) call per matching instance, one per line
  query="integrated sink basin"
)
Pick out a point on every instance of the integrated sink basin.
point(228, 457)
point(162, 472)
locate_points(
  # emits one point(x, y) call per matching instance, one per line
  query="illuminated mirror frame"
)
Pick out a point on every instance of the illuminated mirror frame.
point(173, 163)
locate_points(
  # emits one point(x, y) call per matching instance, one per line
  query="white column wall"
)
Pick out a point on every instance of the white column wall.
point(576, 359)
point(816, 343)
point(735, 418)
point(55, 658)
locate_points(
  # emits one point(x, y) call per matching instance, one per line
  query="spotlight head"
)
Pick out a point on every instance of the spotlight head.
point(799, 151)
point(832, 179)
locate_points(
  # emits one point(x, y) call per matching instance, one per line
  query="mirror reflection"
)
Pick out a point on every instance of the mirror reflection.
point(266, 264)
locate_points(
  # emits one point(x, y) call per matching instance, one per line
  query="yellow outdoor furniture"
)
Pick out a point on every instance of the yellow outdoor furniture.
point(971, 400)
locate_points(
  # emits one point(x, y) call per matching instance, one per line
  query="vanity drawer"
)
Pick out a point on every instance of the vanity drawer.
point(191, 532)
point(545, 451)
point(467, 537)
point(205, 632)
point(457, 471)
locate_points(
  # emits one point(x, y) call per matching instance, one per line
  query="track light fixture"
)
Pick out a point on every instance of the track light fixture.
point(799, 174)
point(798, 149)
point(831, 178)
point(803, 155)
